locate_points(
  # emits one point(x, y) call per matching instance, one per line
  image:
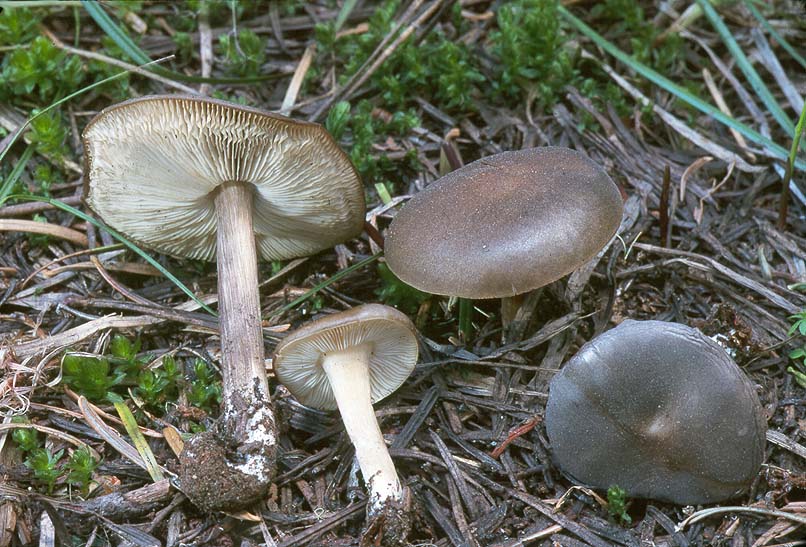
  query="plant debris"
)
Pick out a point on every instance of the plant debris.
point(87, 325)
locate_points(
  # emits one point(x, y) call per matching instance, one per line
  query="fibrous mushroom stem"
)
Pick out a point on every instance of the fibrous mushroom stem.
point(231, 465)
point(348, 372)
point(510, 305)
point(247, 417)
point(509, 308)
point(238, 299)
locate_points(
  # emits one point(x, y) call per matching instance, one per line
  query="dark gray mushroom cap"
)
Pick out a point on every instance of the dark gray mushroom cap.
point(505, 224)
point(153, 164)
point(660, 410)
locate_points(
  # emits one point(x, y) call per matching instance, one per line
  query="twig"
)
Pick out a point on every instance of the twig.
point(719, 99)
point(680, 126)
point(205, 45)
point(296, 81)
point(736, 277)
point(119, 287)
point(44, 228)
point(663, 217)
point(25, 209)
point(713, 511)
point(779, 439)
point(53, 433)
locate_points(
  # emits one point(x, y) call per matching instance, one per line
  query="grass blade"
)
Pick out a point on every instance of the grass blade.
point(115, 32)
point(775, 34)
point(681, 93)
point(332, 279)
point(122, 39)
point(8, 184)
point(465, 319)
point(783, 203)
point(747, 69)
point(101, 226)
point(799, 129)
point(139, 441)
point(11, 4)
point(344, 13)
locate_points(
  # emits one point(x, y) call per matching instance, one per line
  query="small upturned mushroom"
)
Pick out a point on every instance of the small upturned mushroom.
point(204, 179)
point(505, 224)
point(349, 361)
point(660, 410)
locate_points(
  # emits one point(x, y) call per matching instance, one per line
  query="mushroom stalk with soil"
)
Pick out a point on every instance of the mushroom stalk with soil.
point(349, 361)
point(245, 394)
point(205, 179)
point(349, 377)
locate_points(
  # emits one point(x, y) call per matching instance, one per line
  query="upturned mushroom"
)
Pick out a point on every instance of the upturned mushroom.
point(349, 361)
point(204, 179)
point(505, 224)
point(660, 410)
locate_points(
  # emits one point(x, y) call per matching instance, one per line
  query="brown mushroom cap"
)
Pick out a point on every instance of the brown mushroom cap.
point(660, 410)
point(390, 335)
point(153, 164)
point(505, 224)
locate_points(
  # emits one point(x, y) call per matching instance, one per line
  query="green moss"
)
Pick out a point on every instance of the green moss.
point(41, 71)
point(529, 46)
point(617, 504)
point(436, 69)
point(49, 134)
point(205, 390)
point(627, 19)
point(18, 26)
point(362, 127)
point(243, 53)
point(394, 292)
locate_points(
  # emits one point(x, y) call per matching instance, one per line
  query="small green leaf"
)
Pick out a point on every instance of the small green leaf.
point(80, 468)
point(26, 438)
point(800, 377)
point(617, 504)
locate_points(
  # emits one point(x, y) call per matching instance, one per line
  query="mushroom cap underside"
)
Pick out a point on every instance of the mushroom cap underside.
point(153, 164)
point(387, 333)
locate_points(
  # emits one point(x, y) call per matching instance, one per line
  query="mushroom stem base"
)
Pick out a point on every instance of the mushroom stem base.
point(217, 475)
point(232, 465)
point(388, 525)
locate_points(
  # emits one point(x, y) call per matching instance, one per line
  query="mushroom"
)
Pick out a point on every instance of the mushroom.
point(660, 410)
point(349, 361)
point(505, 224)
point(204, 179)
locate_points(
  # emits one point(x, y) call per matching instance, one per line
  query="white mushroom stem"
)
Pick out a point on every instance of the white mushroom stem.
point(348, 372)
point(245, 385)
